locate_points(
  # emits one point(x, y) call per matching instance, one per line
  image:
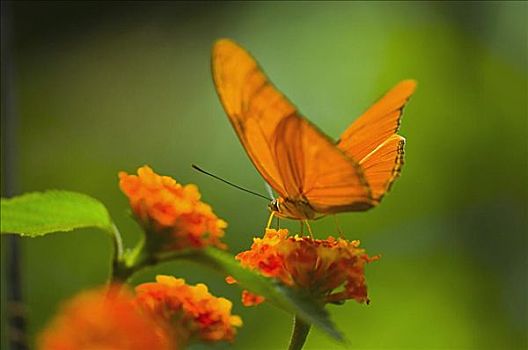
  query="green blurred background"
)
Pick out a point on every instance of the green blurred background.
point(104, 87)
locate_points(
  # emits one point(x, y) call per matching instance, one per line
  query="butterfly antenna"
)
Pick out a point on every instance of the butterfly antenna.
point(196, 167)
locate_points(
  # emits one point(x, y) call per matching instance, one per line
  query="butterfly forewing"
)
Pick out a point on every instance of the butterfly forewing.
point(378, 123)
point(252, 104)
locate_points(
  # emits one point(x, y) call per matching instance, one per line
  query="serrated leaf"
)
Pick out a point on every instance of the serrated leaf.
point(39, 213)
point(288, 299)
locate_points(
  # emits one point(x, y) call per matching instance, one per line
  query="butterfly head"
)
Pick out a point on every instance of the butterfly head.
point(274, 205)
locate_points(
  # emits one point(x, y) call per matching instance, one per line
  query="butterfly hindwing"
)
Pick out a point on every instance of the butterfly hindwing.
point(383, 165)
point(314, 169)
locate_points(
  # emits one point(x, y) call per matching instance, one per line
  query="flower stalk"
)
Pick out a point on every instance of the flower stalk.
point(299, 333)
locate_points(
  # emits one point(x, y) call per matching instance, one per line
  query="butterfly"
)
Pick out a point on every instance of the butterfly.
point(313, 175)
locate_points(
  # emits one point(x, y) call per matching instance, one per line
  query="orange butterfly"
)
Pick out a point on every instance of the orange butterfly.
point(313, 175)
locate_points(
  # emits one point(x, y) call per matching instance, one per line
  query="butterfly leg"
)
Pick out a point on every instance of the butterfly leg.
point(302, 227)
point(269, 221)
point(339, 230)
point(308, 227)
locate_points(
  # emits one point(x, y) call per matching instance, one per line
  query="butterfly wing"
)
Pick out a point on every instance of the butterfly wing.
point(372, 139)
point(382, 166)
point(315, 170)
point(295, 158)
point(252, 104)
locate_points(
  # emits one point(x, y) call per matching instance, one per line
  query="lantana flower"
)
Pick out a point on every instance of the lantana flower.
point(104, 319)
point(172, 214)
point(331, 270)
point(191, 311)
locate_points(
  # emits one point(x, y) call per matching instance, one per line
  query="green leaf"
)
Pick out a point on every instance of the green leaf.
point(39, 213)
point(288, 299)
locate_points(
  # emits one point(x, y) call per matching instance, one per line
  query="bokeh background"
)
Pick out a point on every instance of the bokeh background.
point(100, 87)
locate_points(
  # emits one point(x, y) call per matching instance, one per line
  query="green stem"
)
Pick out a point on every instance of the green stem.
point(124, 265)
point(120, 272)
point(118, 243)
point(117, 260)
point(299, 333)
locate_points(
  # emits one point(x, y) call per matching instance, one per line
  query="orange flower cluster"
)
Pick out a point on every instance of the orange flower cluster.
point(330, 269)
point(104, 319)
point(174, 212)
point(190, 310)
point(165, 315)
